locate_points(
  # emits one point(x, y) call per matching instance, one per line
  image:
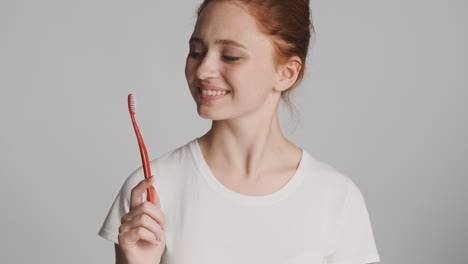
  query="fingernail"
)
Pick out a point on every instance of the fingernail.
point(150, 178)
point(164, 227)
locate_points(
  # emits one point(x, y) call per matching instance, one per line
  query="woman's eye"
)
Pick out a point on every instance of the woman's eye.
point(195, 54)
point(230, 58)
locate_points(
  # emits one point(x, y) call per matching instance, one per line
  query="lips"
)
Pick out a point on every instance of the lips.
point(201, 90)
point(211, 87)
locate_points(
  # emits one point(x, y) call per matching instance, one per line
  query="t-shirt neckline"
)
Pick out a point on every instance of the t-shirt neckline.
point(287, 189)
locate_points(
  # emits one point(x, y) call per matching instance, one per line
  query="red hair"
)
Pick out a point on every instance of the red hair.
point(289, 25)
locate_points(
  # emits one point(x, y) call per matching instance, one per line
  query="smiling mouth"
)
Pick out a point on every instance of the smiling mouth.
point(207, 92)
point(210, 95)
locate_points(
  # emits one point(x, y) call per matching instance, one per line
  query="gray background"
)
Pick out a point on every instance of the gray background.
point(383, 101)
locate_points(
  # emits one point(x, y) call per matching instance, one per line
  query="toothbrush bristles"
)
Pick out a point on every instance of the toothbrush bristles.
point(134, 103)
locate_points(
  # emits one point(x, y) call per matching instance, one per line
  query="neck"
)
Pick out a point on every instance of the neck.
point(246, 146)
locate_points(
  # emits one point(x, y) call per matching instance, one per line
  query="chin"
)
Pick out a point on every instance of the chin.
point(210, 115)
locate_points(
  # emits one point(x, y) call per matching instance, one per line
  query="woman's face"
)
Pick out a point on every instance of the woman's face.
point(228, 52)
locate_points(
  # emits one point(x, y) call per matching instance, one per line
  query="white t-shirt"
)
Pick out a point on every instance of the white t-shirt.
point(319, 216)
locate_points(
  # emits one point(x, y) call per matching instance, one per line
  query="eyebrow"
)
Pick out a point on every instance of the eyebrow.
point(220, 41)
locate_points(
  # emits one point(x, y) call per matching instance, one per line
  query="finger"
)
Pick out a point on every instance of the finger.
point(163, 236)
point(137, 192)
point(155, 195)
point(139, 233)
point(145, 221)
point(149, 209)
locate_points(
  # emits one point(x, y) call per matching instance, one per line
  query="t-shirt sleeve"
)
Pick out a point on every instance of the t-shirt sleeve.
point(120, 206)
point(354, 238)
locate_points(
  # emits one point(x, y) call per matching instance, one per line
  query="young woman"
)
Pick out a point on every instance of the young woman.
point(242, 192)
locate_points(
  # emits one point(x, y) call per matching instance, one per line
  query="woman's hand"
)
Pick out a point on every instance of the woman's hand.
point(141, 236)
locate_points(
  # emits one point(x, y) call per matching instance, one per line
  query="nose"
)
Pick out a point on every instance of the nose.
point(207, 68)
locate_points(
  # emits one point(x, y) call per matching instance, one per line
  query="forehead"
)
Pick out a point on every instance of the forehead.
point(226, 20)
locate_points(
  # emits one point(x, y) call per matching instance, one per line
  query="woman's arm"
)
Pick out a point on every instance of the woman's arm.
point(119, 257)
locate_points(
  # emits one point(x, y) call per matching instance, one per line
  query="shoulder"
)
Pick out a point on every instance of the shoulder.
point(164, 166)
point(325, 173)
point(332, 182)
point(171, 161)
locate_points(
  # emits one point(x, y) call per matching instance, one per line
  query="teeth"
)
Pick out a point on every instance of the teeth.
point(210, 92)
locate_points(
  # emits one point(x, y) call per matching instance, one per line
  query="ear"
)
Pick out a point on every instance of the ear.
point(287, 74)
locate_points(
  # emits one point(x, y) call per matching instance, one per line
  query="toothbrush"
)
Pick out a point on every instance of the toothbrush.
point(133, 106)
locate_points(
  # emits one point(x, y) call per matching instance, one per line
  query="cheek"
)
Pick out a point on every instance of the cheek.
point(255, 78)
point(189, 69)
point(252, 86)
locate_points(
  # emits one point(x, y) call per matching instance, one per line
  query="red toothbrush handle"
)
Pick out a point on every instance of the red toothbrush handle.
point(152, 195)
